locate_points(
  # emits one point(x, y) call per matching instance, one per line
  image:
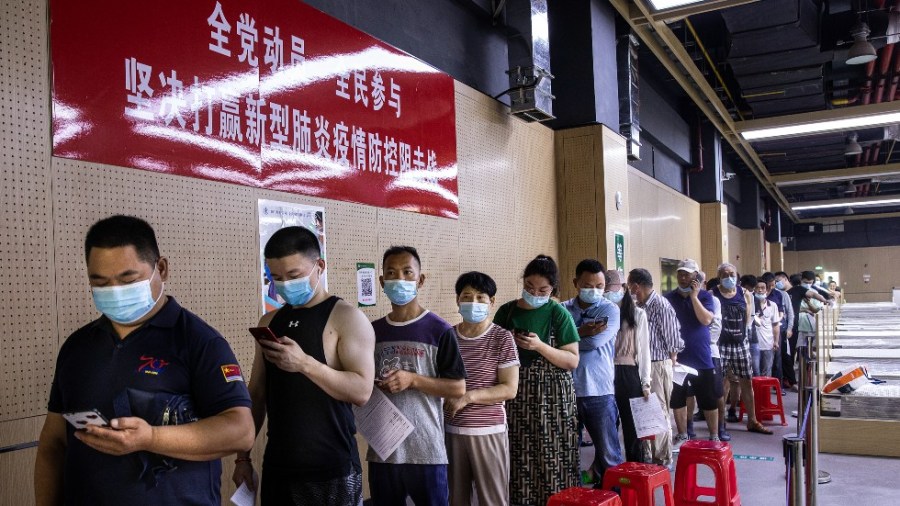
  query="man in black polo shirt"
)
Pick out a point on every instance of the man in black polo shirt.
point(146, 363)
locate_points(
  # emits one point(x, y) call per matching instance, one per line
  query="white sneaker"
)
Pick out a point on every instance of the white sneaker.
point(677, 441)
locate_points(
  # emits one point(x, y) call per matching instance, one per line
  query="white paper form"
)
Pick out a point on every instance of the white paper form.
point(243, 496)
point(680, 372)
point(382, 424)
point(649, 418)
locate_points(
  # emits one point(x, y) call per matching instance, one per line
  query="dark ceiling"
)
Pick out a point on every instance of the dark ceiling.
point(782, 57)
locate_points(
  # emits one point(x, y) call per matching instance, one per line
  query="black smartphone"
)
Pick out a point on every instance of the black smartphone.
point(518, 330)
point(81, 419)
point(263, 334)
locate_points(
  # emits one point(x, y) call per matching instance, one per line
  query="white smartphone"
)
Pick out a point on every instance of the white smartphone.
point(81, 419)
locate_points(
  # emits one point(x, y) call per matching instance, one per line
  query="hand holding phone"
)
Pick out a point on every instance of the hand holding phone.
point(263, 334)
point(521, 331)
point(81, 419)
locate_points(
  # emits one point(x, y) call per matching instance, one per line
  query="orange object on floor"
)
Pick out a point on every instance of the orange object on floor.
point(638, 482)
point(578, 496)
point(717, 456)
point(762, 398)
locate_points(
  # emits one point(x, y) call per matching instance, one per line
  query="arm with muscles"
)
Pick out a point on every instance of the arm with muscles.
point(506, 388)
point(350, 380)
point(751, 307)
point(451, 372)
point(48, 465)
point(642, 345)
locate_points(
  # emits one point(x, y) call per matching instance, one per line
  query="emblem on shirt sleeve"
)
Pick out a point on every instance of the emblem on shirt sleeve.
point(232, 372)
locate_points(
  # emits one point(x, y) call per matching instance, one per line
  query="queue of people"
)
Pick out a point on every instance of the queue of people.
point(497, 404)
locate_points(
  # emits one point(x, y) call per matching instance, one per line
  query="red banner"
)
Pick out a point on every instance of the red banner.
point(272, 94)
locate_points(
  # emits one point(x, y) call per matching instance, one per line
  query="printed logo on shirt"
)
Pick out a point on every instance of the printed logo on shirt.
point(294, 323)
point(232, 372)
point(152, 365)
point(388, 365)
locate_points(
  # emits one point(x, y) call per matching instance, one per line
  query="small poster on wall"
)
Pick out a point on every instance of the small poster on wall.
point(274, 216)
point(365, 284)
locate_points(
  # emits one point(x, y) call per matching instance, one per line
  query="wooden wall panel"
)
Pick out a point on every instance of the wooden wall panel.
point(615, 171)
point(879, 263)
point(663, 222)
point(209, 231)
point(714, 236)
point(735, 247)
point(752, 261)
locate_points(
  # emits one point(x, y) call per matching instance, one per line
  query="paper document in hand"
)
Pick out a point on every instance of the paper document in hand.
point(680, 372)
point(243, 496)
point(649, 418)
point(382, 424)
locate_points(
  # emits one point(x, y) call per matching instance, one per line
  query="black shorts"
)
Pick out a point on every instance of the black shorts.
point(702, 386)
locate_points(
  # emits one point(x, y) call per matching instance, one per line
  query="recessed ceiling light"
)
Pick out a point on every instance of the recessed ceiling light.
point(668, 4)
point(823, 126)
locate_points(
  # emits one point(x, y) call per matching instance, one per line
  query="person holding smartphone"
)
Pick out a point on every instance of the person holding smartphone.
point(144, 345)
point(597, 320)
point(311, 367)
point(543, 438)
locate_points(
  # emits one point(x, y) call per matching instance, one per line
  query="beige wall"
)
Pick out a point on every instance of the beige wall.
point(663, 224)
point(591, 166)
point(209, 231)
point(853, 263)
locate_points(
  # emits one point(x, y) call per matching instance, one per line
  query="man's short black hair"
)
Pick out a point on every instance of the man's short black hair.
point(748, 280)
point(399, 250)
point(119, 231)
point(477, 280)
point(292, 240)
point(795, 279)
point(782, 273)
point(768, 277)
point(810, 275)
point(589, 265)
point(640, 277)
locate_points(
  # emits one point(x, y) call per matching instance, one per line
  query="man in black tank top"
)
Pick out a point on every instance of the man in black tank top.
point(306, 383)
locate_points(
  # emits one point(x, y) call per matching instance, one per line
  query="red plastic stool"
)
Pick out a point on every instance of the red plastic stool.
point(577, 496)
point(638, 482)
point(762, 398)
point(717, 456)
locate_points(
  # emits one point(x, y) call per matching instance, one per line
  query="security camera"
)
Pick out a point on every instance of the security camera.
point(728, 176)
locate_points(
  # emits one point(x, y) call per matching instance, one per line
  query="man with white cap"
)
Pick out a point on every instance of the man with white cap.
point(694, 309)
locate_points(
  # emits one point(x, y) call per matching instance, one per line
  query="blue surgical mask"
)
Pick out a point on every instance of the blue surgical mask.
point(760, 296)
point(590, 295)
point(535, 301)
point(779, 285)
point(615, 297)
point(296, 292)
point(686, 289)
point(806, 285)
point(399, 291)
point(474, 312)
point(125, 304)
point(729, 282)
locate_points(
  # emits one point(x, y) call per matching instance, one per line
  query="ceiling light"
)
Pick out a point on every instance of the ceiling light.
point(809, 206)
point(862, 50)
point(850, 187)
point(849, 211)
point(853, 147)
point(823, 126)
point(668, 4)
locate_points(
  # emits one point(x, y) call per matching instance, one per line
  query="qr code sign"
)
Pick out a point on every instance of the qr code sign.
point(365, 287)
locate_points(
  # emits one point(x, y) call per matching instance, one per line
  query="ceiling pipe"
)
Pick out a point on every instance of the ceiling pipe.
point(886, 57)
point(866, 90)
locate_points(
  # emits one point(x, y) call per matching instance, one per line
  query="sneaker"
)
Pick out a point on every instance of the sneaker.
point(732, 417)
point(714, 438)
point(677, 441)
point(723, 435)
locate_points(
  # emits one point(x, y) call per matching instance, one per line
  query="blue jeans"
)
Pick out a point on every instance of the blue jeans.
point(425, 484)
point(754, 358)
point(766, 357)
point(600, 417)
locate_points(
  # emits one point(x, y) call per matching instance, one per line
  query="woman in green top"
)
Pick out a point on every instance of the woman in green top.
point(543, 438)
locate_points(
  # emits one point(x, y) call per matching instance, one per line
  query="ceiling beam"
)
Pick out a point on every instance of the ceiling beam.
point(827, 176)
point(699, 90)
point(850, 217)
point(676, 13)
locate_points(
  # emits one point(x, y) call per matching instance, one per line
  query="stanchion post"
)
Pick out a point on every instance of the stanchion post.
point(793, 463)
point(811, 446)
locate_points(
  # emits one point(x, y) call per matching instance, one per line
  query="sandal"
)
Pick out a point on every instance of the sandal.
point(758, 428)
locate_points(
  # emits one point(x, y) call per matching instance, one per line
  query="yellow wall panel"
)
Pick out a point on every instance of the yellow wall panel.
point(853, 264)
